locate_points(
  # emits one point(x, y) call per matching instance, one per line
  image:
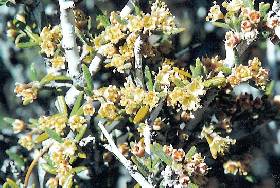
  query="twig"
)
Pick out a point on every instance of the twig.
point(128, 8)
point(33, 163)
point(127, 164)
point(139, 76)
point(69, 39)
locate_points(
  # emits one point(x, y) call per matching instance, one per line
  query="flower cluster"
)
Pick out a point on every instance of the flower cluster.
point(56, 122)
point(254, 71)
point(128, 28)
point(217, 144)
point(28, 92)
point(234, 167)
point(50, 40)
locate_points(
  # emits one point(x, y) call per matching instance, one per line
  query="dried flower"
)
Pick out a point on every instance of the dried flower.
point(234, 167)
point(139, 149)
point(215, 13)
point(178, 155)
point(26, 142)
point(18, 126)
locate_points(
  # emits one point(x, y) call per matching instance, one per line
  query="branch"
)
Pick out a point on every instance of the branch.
point(96, 62)
point(139, 77)
point(69, 39)
point(33, 163)
point(128, 8)
point(127, 164)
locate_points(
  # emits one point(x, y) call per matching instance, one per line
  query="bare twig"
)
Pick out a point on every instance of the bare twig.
point(127, 164)
point(33, 163)
point(128, 8)
point(139, 77)
point(69, 39)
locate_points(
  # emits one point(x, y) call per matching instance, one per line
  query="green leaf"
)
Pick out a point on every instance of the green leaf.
point(263, 8)
point(149, 79)
point(77, 104)
point(140, 166)
point(198, 69)
point(10, 184)
point(250, 179)
point(191, 152)
point(50, 77)
point(3, 2)
point(80, 134)
point(103, 20)
point(9, 120)
point(68, 182)
point(48, 168)
point(192, 185)
point(29, 44)
point(33, 72)
point(52, 134)
point(157, 150)
point(88, 79)
point(141, 114)
point(220, 24)
point(215, 82)
point(226, 70)
point(269, 88)
point(61, 105)
point(15, 157)
point(249, 3)
point(42, 137)
point(79, 169)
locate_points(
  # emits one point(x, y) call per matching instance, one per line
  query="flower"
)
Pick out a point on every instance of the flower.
point(27, 142)
point(178, 155)
point(168, 149)
point(232, 39)
point(88, 109)
point(124, 149)
point(139, 149)
point(215, 13)
point(50, 40)
point(28, 92)
point(52, 183)
point(217, 144)
point(58, 62)
point(56, 122)
point(108, 110)
point(254, 16)
point(246, 26)
point(76, 122)
point(18, 126)
point(234, 167)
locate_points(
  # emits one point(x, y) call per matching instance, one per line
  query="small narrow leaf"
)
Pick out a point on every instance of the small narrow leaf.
point(80, 134)
point(191, 152)
point(192, 185)
point(215, 82)
point(50, 77)
point(79, 169)
point(15, 157)
point(48, 168)
point(149, 79)
point(220, 24)
point(198, 69)
point(77, 104)
point(61, 104)
point(158, 151)
point(10, 184)
point(33, 72)
point(88, 79)
point(52, 134)
point(9, 120)
point(42, 137)
point(68, 182)
point(141, 167)
point(141, 114)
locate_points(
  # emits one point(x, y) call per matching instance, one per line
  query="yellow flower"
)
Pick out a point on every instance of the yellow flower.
point(68, 147)
point(215, 13)
point(135, 23)
point(26, 142)
point(217, 144)
point(58, 62)
point(88, 109)
point(56, 122)
point(233, 5)
point(113, 34)
point(77, 122)
point(151, 99)
point(50, 39)
point(28, 92)
point(234, 167)
point(108, 110)
point(118, 61)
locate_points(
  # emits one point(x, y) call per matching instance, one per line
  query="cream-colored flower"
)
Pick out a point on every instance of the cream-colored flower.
point(27, 142)
point(215, 13)
point(28, 92)
point(58, 62)
point(18, 126)
point(76, 122)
